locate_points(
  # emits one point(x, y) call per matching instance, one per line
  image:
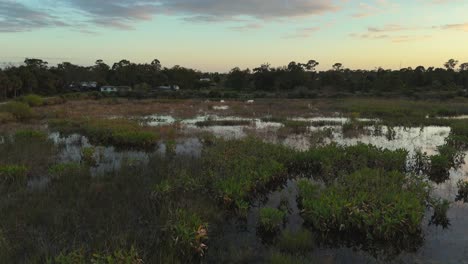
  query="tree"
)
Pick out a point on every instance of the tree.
point(450, 64)
point(464, 66)
point(4, 85)
point(311, 64)
point(337, 67)
point(238, 79)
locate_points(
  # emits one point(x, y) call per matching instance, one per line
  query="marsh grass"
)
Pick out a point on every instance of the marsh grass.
point(439, 217)
point(296, 242)
point(386, 206)
point(116, 132)
point(238, 169)
point(13, 175)
point(329, 162)
point(462, 191)
point(20, 111)
point(271, 219)
point(208, 123)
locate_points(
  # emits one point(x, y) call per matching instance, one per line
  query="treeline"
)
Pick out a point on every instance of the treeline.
point(36, 76)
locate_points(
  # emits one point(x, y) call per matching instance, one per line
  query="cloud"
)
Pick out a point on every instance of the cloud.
point(128, 11)
point(303, 32)
point(460, 27)
point(392, 38)
point(17, 17)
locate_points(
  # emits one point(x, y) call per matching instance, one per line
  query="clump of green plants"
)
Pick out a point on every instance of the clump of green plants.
point(61, 170)
point(458, 137)
point(328, 162)
point(378, 205)
point(439, 218)
point(271, 219)
point(188, 233)
point(20, 111)
point(13, 175)
point(32, 100)
point(237, 169)
point(462, 191)
point(295, 126)
point(88, 156)
point(317, 138)
point(117, 132)
point(440, 164)
point(353, 128)
point(296, 242)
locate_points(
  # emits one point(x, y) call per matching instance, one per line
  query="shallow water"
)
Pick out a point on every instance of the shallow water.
point(440, 246)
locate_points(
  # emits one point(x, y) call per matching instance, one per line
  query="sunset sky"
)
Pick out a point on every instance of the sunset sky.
point(216, 35)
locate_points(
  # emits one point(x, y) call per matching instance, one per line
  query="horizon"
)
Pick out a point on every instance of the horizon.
point(218, 36)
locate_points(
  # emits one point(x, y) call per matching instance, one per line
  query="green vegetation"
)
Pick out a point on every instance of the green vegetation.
point(13, 175)
point(116, 132)
point(295, 127)
point(459, 135)
point(281, 258)
point(19, 111)
point(30, 135)
point(378, 205)
point(32, 100)
point(296, 242)
point(440, 207)
point(328, 162)
point(440, 164)
point(271, 219)
point(87, 155)
point(462, 191)
point(239, 168)
point(117, 257)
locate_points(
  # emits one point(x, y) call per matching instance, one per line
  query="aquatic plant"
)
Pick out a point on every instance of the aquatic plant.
point(236, 122)
point(439, 218)
point(270, 219)
point(458, 137)
point(440, 164)
point(379, 205)
point(188, 232)
point(87, 156)
point(30, 135)
point(328, 162)
point(296, 242)
point(236, 169)
point(60, 170)
point(294, 126)
point(117, 132)
point(462, 195)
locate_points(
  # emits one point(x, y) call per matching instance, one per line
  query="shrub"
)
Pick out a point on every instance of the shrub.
point(271, 219)
point(32, 100)
point(13, 175)
point(380, 205)
point(300, 241)
point(19, 110)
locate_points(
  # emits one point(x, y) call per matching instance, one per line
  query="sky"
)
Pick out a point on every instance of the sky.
point(217, 35)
